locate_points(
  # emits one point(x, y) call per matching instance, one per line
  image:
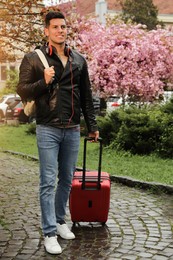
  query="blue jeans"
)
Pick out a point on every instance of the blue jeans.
point(58, 151)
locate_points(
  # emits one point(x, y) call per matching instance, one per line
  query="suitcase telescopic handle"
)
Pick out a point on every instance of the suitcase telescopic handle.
point(99, 162)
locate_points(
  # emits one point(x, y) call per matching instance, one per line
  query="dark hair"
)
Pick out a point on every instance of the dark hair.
point(53, 15)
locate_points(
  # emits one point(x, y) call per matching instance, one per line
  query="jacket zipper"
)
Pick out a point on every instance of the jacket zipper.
point(58, 88)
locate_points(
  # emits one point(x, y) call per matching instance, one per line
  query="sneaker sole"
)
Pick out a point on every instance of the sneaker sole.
point(53, 253)
point(66, 237)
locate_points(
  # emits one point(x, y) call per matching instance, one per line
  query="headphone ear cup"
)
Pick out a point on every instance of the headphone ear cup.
point(49, 50)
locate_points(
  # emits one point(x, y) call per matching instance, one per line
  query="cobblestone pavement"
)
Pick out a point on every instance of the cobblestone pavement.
point(140, 224)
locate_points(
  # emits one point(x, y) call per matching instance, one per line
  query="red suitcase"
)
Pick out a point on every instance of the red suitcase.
point(90, 194)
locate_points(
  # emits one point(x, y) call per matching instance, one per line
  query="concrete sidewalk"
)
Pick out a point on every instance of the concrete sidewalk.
point(140, 224)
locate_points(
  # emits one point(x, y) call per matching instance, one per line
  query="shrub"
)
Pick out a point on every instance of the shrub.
point(165, 148)
point(109, 126)
point(31, 129)
point(105, 129)
point(138, 133)
point(139, 130)
point(168, 107)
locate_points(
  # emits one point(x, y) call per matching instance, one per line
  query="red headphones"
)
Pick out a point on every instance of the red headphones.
point(67, 50)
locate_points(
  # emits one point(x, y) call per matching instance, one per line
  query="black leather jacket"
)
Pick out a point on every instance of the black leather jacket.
point(58, 104)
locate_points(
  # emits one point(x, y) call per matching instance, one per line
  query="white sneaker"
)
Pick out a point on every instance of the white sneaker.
point(64, 231)
point(52, 246)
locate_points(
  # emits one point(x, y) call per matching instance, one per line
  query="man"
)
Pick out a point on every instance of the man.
point(60, 92)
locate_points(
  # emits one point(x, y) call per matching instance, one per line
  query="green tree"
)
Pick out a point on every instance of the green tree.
point(20, 27)
point(140, 12)
point(11, 82)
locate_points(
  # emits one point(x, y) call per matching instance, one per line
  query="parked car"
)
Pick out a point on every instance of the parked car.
point(4, 102)
point(113, 102)
point(15, 111)
point(167, 95)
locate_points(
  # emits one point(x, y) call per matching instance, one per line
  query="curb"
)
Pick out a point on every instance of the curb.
point(25, 156)
point(153, 186)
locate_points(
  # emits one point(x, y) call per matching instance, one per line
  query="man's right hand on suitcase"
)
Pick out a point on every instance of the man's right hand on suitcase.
point(94, 135)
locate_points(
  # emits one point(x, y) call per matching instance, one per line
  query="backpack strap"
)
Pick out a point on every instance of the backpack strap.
point(42, 58)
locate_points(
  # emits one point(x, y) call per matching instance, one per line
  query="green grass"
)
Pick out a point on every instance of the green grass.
point(16, 139)
point(143, 168)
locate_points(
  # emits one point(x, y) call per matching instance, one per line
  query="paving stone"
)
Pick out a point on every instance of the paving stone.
point(145, 255)
point(160, 257)
point(139, 224)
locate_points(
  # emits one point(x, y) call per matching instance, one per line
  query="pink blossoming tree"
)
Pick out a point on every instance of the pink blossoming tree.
point(127, 60)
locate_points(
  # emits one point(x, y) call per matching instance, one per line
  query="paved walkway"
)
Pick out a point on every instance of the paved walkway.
point(140, 224)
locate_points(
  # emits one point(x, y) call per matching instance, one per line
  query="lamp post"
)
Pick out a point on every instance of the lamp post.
point(101, 10)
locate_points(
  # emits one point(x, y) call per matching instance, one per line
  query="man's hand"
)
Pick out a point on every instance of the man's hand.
point(49, 74)
point(94, 135)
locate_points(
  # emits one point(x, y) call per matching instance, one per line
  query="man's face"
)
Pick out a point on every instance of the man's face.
point(57, 31)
